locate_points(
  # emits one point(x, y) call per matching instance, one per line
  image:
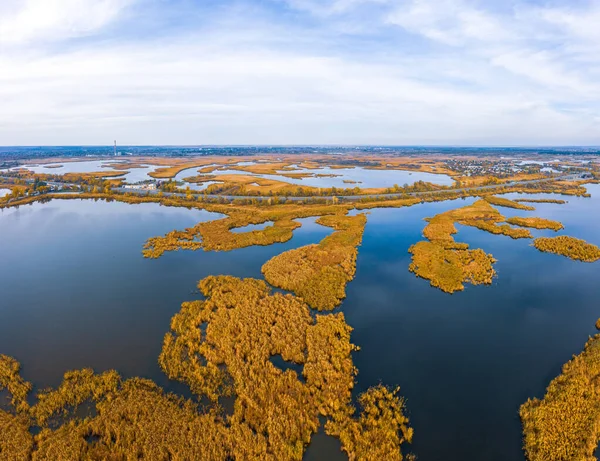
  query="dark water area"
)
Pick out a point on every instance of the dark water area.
point(466, 362)
point(76, 292)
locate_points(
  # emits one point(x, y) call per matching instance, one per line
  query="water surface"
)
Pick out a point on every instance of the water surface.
point(76, 292)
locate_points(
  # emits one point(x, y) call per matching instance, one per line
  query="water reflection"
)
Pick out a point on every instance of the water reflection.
point(466, 362)
point(140, 173)
point(76, 291)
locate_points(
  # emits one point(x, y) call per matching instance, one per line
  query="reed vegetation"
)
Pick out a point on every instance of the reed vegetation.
point(16, 442)
point(245, 325)
point(374, 435)
point(500, 201)
point(217, 236)
point(171, 171)
point(540, 200)
point(448, 264)
point(535, 223)
point(11, 380)
point(220, 347)
point(570, 247)
point(77, 387)
point(319, 273)
point(565, 424)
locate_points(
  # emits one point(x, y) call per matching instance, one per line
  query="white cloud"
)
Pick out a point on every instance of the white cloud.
point(474, 76)
point(40, 20)
point(448, 21)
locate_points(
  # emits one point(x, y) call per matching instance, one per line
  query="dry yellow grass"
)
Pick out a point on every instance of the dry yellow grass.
point(570, 247)
point(448, 264)
point(565, 424)
point(220, 347)
point(319, 273)
point(264, 168)
point(11, 380)
point(539, 200)
point(500, 201)
point(240, 184)
point(172, 171)
point(535, 223)
point(16, 442)
point(217, 236)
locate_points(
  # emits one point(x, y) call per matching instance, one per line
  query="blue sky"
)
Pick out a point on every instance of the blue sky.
point(399, 72)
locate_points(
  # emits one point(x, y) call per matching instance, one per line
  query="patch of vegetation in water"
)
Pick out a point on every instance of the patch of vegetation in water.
point(448, 264)
point(220, 347)
point(500, 201)
point(319, 273)
point(217, 236)
point(565, 424)
point(570, 247)
point(536, 223)
point(539, 200)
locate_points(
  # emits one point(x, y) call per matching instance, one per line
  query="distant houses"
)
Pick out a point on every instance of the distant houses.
point(141, 186)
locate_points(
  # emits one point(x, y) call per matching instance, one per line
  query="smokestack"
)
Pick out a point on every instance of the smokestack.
point(115, 147)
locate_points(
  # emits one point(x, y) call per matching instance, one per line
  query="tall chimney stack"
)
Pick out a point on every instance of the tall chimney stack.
point(115, 147)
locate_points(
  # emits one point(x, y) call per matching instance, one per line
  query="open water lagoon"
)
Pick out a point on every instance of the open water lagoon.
point(76, 292)
point(133, 175)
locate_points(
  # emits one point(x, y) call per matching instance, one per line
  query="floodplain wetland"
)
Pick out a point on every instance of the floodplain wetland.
point(306, 322)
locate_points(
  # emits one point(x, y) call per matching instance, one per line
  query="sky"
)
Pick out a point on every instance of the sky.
point(389, 72)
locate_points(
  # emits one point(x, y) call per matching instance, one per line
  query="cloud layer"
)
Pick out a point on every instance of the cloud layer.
point(299, 72)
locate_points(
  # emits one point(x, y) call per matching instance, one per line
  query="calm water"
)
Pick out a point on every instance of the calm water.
point(77, 292)
point(361, 177)
point(130, 176)
point(364, 178)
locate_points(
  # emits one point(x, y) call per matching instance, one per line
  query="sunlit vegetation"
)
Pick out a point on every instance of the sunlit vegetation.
point(11, 380)
point(171, 171)
point(138, 421)
point(535, 223)
point(245, 325)
point(448, 264)
point(217, 236)
point(127, 165)
point(319, 273)
point(397, 203)
point(201, 178)
point(565, 424)
point(570, 247)
point(221, 348)
point(540, 200)
point(374, 435)
point(264, 168)
point(500, 201)
point(16, 442)
point(449, 268)
point(76, 388)
point(424, 165)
